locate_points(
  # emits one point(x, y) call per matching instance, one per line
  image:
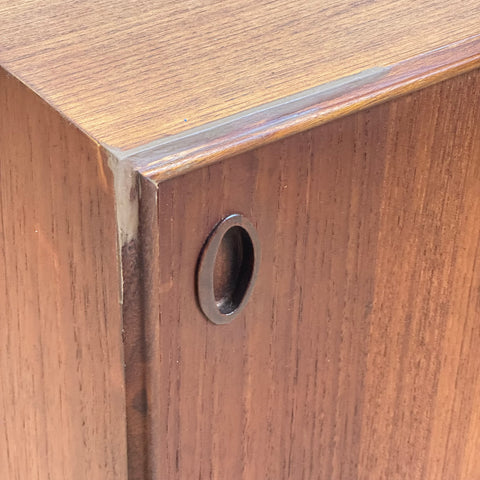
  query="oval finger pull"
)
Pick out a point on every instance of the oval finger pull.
point(227, 269)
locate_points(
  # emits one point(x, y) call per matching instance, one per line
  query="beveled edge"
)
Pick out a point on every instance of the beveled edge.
point(172, 156)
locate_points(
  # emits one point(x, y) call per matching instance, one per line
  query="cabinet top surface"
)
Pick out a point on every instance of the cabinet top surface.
point(132, 72)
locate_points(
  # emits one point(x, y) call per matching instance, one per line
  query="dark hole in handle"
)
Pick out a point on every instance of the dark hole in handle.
point(227, 268)
point(233, 269)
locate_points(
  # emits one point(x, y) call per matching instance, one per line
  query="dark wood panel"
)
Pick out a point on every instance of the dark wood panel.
point(422, 385)
point(62, 398)
point(356, 356)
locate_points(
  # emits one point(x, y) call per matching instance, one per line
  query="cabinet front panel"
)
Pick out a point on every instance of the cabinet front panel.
point(356, 356)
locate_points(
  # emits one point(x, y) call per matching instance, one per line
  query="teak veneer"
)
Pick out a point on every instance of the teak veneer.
point(345, 135)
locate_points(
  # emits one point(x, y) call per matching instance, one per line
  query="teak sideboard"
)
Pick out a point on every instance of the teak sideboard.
point(240, 240)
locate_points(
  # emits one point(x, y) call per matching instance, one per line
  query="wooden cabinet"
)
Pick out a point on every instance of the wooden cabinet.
point(345, 137)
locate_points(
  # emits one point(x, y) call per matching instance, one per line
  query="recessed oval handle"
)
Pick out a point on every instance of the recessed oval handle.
point(227, 268)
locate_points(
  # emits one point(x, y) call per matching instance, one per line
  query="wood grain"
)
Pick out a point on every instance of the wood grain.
point(356, 356)
point(62, 396)
point(131, 72)
point(212, 142)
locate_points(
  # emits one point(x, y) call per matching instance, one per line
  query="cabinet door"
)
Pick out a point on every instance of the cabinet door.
point(356, 356)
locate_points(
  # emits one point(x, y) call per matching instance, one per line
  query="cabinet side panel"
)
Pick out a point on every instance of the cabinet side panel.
point(357, 355)
point(62, 404)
